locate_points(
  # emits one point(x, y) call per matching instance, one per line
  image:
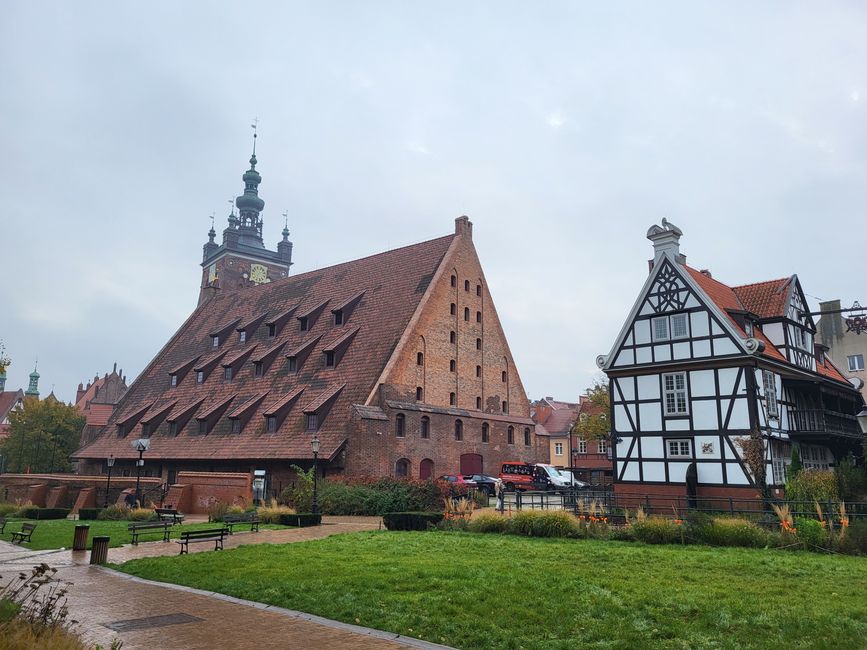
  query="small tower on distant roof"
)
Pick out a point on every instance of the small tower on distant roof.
point(242, 260)
point(33, 388)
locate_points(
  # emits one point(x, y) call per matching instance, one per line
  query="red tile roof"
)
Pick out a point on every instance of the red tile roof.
point(765, 299)
point(393, 283)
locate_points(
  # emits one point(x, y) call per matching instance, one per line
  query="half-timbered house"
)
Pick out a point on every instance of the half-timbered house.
point(699, 366)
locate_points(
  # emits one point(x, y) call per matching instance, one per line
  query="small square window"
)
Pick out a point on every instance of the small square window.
point(329, 359)
point(856, 362)
point(678, 448)
point(679, 326)
point(242, 336)
point(173, 379)
point(312, 422)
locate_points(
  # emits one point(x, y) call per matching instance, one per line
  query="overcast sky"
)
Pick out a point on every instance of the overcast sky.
point(563, 130)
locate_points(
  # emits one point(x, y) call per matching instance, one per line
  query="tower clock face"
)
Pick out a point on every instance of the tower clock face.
point(258, 273)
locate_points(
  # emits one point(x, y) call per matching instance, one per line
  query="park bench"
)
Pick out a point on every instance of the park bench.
point(24, 534)
point(2, 524)
point(138, 529)
point(169, 514)
point(215, 535)
point(251, 518)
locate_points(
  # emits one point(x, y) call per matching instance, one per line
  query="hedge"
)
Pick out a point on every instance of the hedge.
point(86, 514)
point(33, 512)
point(301, 520)
point(411, 520)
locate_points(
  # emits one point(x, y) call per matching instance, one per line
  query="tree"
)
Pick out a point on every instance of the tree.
point(796, 465)
point(593, 423)
point(753, 454)
point(42, 435)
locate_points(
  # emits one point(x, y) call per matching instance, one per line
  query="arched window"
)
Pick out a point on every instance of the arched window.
point(510, 436)
point(399, 425)
point(505, 406)
point(419, 394)
point(478, 344)
point(459, 430)
point(453, 309)
point(478, 290)
point(478, 403)
point(453, 399)
point(454, 280)
point(426, 469)
point(466, 285)
point(486, 432)
point(505, 376)
point(466, 313)
point(452, 337)
point(401, 468)
point(424, 429)
point(478, 317)
point(478, 371)
point(419, 358)
point(452, 365)
point(527, 437)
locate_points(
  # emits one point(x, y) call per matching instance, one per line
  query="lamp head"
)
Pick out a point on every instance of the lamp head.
point(110, 460)
point(315, 444)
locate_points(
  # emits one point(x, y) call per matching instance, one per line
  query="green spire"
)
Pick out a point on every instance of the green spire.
point(33, 389)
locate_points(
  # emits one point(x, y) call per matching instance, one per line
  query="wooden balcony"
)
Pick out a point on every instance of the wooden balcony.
point(820, 421)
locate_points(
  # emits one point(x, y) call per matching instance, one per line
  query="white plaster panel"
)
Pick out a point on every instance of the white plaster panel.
point(701, 383)
point(662, 352)
point(628, 340)
point(621, 421)
point(715, 327)
point(642, 355)
point(654, 471)
point(740, 418)
point(646, 309)
point(631, 473)
point(774, 332)
point(651, 417)
point(701, 348)
point(622, 446)
point(698, 319)
point(704, 416)
point(677, 425)
point(692, 302)
point(677, 472)
point(681, 350)
point(652, 447)
point(735, 475)
point(648, 387)
point(642, 331)
point(709, 472)
point(627, 388)
point(625, 358)
point(727, 379)
point(700, 447)
point(723, 347)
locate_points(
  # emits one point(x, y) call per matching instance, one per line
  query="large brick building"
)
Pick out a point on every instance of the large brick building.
point(397, 362)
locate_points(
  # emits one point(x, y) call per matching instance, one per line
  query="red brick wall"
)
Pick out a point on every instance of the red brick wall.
point(210, 487)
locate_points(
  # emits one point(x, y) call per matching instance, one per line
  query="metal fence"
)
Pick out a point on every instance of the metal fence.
point(616, 506)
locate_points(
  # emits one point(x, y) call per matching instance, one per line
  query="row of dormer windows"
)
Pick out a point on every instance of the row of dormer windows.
point(312, 422)
point(293, 364)
point(305, 323)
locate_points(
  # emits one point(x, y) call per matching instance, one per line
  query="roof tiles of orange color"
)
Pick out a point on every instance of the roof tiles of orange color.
point(765, 299)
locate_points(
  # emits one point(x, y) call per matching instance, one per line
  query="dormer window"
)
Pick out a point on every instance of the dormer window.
point(304, 322)
point(338, 317)
point(293, 364)
point(200, 376)
point(173, 428)
point(215, 341)
point(311, 422)
point(236, 425)
point(272, 330)
point(173, 380)
point(258, 368)
point(242, 336)
point(271, 424)
point(203, 426)
point(227, 373)
point(329, 359)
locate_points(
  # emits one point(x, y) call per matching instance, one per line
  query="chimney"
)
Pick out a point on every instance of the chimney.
point(463, 226)
point(666, 243)
point(707, 273)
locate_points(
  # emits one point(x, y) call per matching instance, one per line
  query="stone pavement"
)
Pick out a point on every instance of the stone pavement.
point(143, 614)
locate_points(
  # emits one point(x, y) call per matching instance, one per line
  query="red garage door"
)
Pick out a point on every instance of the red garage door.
point(471, 464)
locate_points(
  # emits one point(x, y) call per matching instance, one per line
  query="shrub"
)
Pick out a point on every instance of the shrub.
point(657, 530)
point(810, 532)
point(377, 496)
point(851, 479)
point(812, 485)
point(411, 520)
point(141, 514)
point(114, 513)
point(301, 520)
point(33, 512)
point(553, 523)
point(489, 522)
point(218, 509)
point(89, 514)
point(271, 514)
point(729, 531)
point(8, 509)
point(854, 538)
point(622, 534)
point(299, 495)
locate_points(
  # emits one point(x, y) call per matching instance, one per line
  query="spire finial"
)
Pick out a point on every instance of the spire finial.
point(254, 126)
point(285, 225)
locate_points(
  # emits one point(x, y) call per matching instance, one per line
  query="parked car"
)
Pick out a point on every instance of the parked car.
point(572, 480)
point(457, 480)
point(518, 475)
point(486, 484)
point(554, 478)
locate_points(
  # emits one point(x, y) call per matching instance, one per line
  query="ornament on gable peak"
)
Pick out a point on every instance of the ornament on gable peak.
point(666, 241)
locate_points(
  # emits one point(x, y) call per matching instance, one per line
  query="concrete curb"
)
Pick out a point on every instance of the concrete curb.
point(327, 622)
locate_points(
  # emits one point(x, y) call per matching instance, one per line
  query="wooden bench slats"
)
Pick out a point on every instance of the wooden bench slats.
point(215, 535)
point(24, 534)
point(166, 514)
point(251, 518)
point(149, 526)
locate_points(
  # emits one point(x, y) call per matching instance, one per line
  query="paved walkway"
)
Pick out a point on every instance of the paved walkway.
point(146, 614)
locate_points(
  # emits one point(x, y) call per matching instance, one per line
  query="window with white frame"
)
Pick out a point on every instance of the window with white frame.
point(558, 448)
point(856, 362)
point(666, 328)
point(660, 329)
point(674, 389)
point(582, 446)
point(678, 449)
point(603, 446)
point(770, 390)
point(679, 326)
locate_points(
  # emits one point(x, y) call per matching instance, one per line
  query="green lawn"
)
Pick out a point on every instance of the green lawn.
point(58, 533)
point(494, 591)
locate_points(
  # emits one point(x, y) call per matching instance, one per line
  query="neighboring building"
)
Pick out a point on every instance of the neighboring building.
point(9, 400)
point(845, 336)
point(592, 459)
point(97, 401)
point(397, 362)
point(553, 422)
point(698, 365)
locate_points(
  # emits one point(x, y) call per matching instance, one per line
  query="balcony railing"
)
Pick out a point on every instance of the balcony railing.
point(822, 421)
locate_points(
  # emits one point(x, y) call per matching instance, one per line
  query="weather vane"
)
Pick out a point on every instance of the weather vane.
point(254, 126)
point(232, 203)
point(212, 219)
point(286, 218)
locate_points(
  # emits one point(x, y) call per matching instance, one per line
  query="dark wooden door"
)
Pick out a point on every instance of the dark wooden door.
point(471, 464)
point(425, 469)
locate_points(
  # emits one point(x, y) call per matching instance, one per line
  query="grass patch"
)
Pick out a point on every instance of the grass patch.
point(492, 591)
point(58, 533)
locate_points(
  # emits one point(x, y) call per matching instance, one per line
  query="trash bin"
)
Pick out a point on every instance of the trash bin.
point(79, 542)
point(99, 550)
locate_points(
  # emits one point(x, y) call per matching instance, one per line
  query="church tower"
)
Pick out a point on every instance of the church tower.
point(242, 260)
point(33, 388)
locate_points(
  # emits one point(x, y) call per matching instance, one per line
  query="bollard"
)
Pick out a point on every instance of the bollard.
point(99, 550)
point(79, 541)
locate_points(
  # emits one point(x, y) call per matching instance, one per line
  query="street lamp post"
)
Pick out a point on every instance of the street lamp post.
point(315, 444)
point(141, 446)
point(110, 462)
point(862, 420)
